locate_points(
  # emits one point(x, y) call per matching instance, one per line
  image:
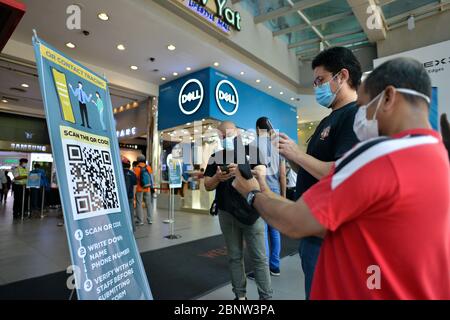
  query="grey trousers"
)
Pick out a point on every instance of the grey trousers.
point(235, 233)
point(147, 197)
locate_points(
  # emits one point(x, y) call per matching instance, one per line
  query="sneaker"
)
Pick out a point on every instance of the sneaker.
point(251, 276)
point(150, 222)
point(275, 272)
point(139, 223)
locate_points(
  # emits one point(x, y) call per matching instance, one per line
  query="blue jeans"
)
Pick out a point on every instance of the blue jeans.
point(273, 247)
point(273, 239)
point(309, 251)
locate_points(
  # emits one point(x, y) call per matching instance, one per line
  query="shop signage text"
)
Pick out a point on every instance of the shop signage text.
point(223, 16)
point(191, 91)
point(126, 132)
point(28, 147)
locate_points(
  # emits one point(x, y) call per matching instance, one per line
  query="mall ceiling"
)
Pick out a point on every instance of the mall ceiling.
point(307, 26)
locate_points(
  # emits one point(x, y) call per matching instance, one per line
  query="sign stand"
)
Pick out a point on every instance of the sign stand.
point(42, 204)
point(171, 219)
point(169, 216)
point(23, 200)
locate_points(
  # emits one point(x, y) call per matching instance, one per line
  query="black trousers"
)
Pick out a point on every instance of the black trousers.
point(84, 114)
point(18, 194)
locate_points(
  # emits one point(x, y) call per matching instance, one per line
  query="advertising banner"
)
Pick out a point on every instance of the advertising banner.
point(436, 60)
point(175, 172)
point(34, 180)
point(105, 258)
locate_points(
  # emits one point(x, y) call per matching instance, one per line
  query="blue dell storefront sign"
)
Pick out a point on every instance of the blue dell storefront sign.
point(227, 97)
point(209, 93)
point(191, 96)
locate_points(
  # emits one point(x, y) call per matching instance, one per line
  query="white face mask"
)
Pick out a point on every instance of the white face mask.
point(367, 129)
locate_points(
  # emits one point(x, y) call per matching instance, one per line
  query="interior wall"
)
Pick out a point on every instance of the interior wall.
point(428, 31)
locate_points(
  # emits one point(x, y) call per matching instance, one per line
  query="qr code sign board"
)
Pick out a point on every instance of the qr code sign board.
point(91, 179)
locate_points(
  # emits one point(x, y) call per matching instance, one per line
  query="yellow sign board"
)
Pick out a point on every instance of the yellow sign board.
point(55, 57)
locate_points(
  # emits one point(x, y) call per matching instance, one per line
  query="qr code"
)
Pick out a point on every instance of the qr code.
point(91, 180)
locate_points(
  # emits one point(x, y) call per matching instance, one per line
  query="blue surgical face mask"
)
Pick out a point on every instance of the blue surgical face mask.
point(228, 143)
point(324, 95)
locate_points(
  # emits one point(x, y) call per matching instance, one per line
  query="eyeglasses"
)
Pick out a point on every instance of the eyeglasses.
point(320, 81)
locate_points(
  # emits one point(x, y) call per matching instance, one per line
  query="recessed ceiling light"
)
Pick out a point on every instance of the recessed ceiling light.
point(216, 64)
point(292, 99)
point(4, 101)
point(134, 67)
point(103, 16)
point(258, 81)
point(188, 124)
point(175, 74)
point(298, 117)
point(281, 92)
point(242, 73)
point(121, 47)
point(203, 120)
point(25, 85)
point(171, 47)
point(188, 68)
point(163, 79)
point(70, 45)
point(269, 87)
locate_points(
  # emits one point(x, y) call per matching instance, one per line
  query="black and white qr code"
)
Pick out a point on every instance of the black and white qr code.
point(91, 179)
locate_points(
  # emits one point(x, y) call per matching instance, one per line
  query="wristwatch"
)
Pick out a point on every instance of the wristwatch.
point(251, 197)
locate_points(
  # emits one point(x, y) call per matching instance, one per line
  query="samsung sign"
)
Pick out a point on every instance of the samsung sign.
point(191, 96)
point(227, 97)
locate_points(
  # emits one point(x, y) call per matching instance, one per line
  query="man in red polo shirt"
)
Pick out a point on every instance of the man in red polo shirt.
point(384, 211)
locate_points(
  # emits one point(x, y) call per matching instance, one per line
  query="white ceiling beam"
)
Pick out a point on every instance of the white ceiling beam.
point(361, 9)
point(305, 4)
point(317, 22)
point(328, 37)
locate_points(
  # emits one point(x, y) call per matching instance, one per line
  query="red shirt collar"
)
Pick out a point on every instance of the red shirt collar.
point(422, 131)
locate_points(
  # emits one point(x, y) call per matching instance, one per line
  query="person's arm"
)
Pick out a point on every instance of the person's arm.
point(211, 183)
point(338, 199)
point(74, 92)
point(289, 149)
point(283, 180)
point(17, 176)
point(291, 218)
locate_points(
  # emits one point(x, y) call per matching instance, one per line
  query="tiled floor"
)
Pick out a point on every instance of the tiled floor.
point(37, 247)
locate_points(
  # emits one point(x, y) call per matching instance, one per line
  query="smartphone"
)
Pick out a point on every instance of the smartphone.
point(224, 168)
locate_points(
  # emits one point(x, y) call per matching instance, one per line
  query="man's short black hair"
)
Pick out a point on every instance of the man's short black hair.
point(37, 166)
point(400, 73)
point(337, 58)
point(79, 82)
point(23, 160)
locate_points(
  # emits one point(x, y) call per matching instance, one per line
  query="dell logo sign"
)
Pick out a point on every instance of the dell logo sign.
point(227, 97)
point(191, 96)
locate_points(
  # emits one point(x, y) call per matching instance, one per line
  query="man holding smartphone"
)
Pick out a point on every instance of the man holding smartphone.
point(219, 175)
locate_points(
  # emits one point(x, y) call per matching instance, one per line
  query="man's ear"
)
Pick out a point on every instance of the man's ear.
point(390, 96)
point(345, 76)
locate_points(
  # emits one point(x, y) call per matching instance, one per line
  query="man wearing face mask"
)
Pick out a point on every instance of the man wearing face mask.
point(337, 75)
point(385, 201)
point(219, 175)
point(20, 181)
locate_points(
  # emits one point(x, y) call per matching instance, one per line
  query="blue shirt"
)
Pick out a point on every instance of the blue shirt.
point(81, 95)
